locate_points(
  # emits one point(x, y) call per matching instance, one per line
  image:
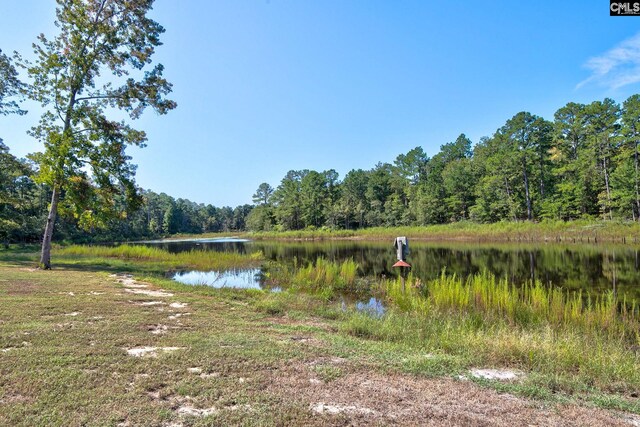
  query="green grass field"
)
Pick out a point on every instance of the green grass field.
point(226, 357)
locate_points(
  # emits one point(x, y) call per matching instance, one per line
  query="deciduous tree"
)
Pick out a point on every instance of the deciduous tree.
point(97, 64)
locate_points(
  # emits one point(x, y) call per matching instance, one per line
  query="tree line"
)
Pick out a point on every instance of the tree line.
point(24, 208)
point(583, 164)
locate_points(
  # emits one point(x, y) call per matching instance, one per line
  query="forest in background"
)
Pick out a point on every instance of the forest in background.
point(583, 164)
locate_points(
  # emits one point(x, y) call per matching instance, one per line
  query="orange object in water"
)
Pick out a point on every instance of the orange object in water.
point(401, 264)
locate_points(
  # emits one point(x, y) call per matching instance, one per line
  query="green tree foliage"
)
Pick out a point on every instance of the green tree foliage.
point(602, 139)
point(288, 202)
point(94, 65)
point(353, 203)
point(584, 164)
point(263, 194)
point(10, 87)
point(628, 185)
point(529, 168)
point(12, 171)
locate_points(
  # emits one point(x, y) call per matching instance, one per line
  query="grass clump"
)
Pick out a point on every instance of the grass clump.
point(206, 260)
point(323, 274)
point(323, 277)
point(569, 343)
point(490, 300)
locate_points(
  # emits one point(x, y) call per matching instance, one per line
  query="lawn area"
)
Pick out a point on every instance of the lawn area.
point(86, 344)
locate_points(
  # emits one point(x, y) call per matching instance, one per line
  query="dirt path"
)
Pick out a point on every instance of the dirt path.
point(370, 398)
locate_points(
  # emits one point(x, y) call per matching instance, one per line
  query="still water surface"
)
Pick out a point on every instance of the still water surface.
point(589, 267)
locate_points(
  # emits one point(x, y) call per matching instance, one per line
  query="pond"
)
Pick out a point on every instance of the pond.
point(589, 267)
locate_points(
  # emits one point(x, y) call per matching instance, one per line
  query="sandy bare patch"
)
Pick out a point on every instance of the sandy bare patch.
point(195, 412)
point(632, 419)
point(496, 374)
point(324, 408)
point(149, 293)
point(159, 329)
point(209, 375)
point(194, 370)
point(150, 351)
point(74, 314)
point(7, 350)
point(178, 315)
point(96, 293)
point(14, 398)
point(135, 285)
point(178, 305)
point(366, 397)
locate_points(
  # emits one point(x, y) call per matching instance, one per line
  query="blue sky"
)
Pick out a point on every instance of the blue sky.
point(264, 87)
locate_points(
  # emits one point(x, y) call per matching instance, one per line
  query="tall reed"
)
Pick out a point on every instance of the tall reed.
point(207, 260)
point(491, 299)
point(324, 273)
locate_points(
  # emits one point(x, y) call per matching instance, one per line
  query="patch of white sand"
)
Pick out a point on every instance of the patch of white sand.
point(209, 375)
point(149, 292)
point(325, 408)
point(496, 374)
point(178, 305)
point(632, 419)
point(177, 315)
point(150, 351)
point(135, 285)
point(159, 329)
point(195, 412)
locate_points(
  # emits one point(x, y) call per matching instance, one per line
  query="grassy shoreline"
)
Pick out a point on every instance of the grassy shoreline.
point(580, 231)
point(232, 333)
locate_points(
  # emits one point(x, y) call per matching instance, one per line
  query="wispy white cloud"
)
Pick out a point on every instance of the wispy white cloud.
point(617, 67)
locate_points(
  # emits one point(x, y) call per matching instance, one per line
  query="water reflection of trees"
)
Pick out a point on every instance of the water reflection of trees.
point(593, 268)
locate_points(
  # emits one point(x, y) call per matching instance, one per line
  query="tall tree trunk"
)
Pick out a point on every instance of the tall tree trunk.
point(45, 256)
point(635, 158)
point(506, 186)
point(526, 189)
point(606, 183)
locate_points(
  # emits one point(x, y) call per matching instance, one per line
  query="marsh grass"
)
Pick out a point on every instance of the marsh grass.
point(579, 231)
point(325, 277)
point(206, 260)
point(491, 300)
point(568, 343)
